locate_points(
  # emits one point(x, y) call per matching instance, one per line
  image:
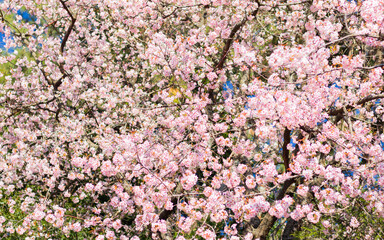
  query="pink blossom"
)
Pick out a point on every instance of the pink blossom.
point(76, 227)
point(187, 116)
point(208, 235)
point(302, 190)
point(189, 180)
point(110, 235)
point(313, 217)
point(354, 222)
point(326, 224)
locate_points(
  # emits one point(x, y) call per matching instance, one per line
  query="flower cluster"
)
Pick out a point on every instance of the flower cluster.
point(181, 119)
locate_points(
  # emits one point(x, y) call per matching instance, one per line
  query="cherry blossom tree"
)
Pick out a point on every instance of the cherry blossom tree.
point(120, 123)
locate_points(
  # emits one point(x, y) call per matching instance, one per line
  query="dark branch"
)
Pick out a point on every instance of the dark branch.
point(339, 113)
point(57, 84)
point(266, 224)
point(369, 98)
point(287, 139)
point(229, 41)
point(66, 36)
point(372, 67)
point(268, 220)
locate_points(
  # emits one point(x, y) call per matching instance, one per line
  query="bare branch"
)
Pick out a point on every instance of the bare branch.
point(287, 139)
point(372, 67)
point(229, 41)
point(69, 30)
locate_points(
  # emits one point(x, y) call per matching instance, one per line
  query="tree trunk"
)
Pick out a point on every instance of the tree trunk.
point(266, 224)
point(290, 227)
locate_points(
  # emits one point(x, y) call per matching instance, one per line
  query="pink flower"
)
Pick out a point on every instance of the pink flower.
point(242, 168)
point(89, 187)
point(211, 76)
point(277, 210)
point(205, 2)
point(308, 174)
point(159, 226)
point(274, 80)
point(297, 214)
point(208, 235)
point(189, 180)
point(185, 224)
point(354, 223)
point(59, 212)
point(20, 230)
point(107, 169)
point(326, 224)
point(110, 235)
point(117, 224)
point(208, 191)
point(78, 162)
point(249, 236)
point(50, 218)
point(168, 205)
point(38, 215)
point(250, 182)
point(232, 179)
point(76, 227)
point(313, 217)
point(302, 190)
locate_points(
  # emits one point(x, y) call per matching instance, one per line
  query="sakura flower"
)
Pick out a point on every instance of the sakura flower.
point(313, 217)
point(189, 180)
point(354, 222)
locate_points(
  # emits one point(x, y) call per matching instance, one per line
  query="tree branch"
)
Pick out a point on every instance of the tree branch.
point(287, 139)
point(372, 67)
point(57, 84)
point(339, 113)
point(268, 220)
point(69, 30)
point(229, 41)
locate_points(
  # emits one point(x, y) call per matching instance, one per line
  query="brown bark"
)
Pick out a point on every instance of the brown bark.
point(265, 226)
point(164, 215)
point(230, 40)
point(287, 139)
point(267, 223)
